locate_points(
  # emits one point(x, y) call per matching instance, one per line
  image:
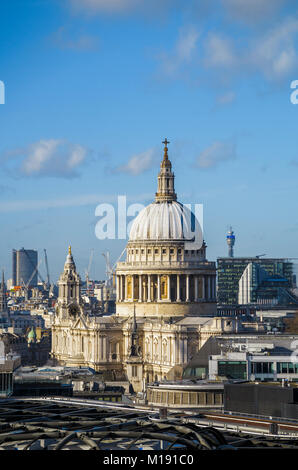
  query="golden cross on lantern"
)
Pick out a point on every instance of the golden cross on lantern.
point(166, 142)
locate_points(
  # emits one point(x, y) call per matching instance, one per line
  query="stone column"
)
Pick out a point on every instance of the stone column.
point(160, 348)
point(104, 353)
point(178, 289)
point(98, 348)
point(187, 288)
point(118, 289)
point(173, 359)
point(196, 280)
point(209, 287)
point(132, 288)
point(203, 288)
point(158, 287)
point(140, 289)
point(185, 350)
point(125, 287)
point(152, 347)
point(121, 288)
point(149, 288)
point(169, 287)
point(181, 344)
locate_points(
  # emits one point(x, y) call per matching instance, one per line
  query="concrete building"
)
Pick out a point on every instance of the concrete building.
point(268, 399)
point(186, 394)
point(9, 363)
point(256, 359)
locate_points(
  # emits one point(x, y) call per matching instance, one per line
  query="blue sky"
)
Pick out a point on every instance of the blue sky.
point(92, 87)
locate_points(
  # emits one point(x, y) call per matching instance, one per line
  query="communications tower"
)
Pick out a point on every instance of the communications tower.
point(231, 242)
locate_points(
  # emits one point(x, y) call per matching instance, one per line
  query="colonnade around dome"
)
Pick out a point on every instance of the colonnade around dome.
point(178, 287)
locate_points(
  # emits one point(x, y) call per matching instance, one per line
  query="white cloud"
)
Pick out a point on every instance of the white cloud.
point(53, 157)
point(183, 51)
point(139, 163)
point(226, 98)
point(186, 43)
point(216, 153)
point(275, 53)
point(38, 155)
point(219, 51)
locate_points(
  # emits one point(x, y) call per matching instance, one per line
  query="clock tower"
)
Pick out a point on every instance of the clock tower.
point(69, 289)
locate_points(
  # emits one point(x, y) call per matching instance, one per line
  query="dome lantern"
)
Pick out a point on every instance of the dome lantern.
point(166, 189)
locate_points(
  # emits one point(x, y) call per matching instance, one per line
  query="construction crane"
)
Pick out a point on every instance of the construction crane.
point(47, 268)
point(259, 256)
point(87, 271)
point(38, 273)
point(110, 270)
point(26, 286)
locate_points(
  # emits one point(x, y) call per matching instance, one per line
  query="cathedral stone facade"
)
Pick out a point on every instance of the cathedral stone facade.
point(166, 297)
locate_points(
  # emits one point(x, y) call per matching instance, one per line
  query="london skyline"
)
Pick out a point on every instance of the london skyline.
point(92, 90)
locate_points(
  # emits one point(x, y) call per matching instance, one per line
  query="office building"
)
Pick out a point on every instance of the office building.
point(24, 267)
point(244, 281)
point(265, 359)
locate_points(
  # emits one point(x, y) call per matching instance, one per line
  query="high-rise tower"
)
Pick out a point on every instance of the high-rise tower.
point(231, 242)
point(24, 267)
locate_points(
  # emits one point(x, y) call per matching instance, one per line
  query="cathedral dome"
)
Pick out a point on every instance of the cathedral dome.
point(164, 221)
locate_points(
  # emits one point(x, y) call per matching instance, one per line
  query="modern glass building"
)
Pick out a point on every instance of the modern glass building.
point(24, 267)
point(252, 280)
point(253, 367)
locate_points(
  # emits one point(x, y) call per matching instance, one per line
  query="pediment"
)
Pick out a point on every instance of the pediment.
point(79, 323)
